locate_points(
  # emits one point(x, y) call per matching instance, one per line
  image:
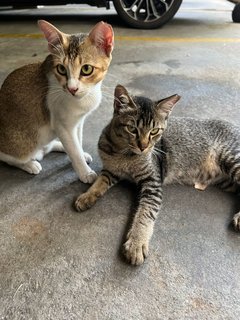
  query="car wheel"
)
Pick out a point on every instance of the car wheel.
point(146, 14)
point(236, 13)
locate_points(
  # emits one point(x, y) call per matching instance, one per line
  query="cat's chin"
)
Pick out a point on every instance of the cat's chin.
point(77, 96)
point(139, 152)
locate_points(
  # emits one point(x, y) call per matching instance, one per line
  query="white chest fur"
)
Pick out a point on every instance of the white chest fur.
point(67, 114)
point(68, 109)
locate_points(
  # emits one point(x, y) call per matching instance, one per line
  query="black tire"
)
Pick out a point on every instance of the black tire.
point(236, 13)
point(159, 12)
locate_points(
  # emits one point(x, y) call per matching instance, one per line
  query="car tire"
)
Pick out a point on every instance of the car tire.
point(154, 13)
point(236, 13)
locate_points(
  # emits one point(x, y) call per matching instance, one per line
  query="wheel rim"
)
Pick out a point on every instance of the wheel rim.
point(146, 10)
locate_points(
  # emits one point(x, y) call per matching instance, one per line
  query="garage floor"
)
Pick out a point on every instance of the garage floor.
point(61, 265)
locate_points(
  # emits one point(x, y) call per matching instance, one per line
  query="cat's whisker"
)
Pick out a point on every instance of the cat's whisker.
point(41, 95)
point(112, 75)
point(112, 88)
point(154, 153)
point(48, 87)
point(110, 94)
point(107, 97)
point(159, 150)
point(55, 88)
point(56, 98)
point(108, 88)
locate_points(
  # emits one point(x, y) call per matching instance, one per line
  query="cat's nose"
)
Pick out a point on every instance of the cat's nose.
point(143, 146)
point(72, 90)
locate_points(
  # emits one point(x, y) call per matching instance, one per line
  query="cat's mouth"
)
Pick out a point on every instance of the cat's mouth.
point(75, 93)
point(140, 151)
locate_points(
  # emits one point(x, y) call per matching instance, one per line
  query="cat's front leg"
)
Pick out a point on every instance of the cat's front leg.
point(87, 156)
point(104, 181)
point(69, 139)
point(137, 244)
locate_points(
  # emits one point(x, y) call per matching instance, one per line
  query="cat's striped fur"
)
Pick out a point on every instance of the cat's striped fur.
point(138, 146)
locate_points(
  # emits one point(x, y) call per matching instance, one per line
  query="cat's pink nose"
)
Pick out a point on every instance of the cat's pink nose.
point(143, 146)
point(72, 90)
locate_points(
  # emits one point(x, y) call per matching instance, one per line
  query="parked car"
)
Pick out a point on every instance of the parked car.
point(142, 14)
point(236, 12)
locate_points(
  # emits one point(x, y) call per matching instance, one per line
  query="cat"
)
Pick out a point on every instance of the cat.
point(43, 105)
point(146, 146)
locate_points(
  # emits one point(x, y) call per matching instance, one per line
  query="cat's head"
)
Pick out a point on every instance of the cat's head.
point(80, 61)
point(140, 122)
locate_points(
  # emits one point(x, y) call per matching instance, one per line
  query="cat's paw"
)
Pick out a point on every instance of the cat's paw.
point(88, 157)
point(136, 248)
point(88, 177)
point(236, 221)
point(32, 167)
point(85, 201)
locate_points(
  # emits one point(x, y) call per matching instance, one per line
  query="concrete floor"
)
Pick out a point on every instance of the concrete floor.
point(58, 264)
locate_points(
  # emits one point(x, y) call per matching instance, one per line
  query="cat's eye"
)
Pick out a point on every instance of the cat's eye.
point(132, 129)
point(154, 131)
point(61, 69)
point(86, 70)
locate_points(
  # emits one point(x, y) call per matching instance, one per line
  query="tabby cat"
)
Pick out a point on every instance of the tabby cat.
point(42, 103)
point(138, 145)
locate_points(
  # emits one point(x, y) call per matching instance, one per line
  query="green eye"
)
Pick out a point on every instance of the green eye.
point(86, 70)
point(155, 131)
point(132, 129)
point(61, 69)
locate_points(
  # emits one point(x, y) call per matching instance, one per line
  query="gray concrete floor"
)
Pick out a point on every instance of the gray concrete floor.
point(58, 264)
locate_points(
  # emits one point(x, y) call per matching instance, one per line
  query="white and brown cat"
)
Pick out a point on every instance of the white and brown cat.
point(42, 103)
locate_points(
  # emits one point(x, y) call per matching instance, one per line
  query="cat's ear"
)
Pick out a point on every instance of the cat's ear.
point(165, 106)
point(122, 100)
point(102, 37)
point(52, 34)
